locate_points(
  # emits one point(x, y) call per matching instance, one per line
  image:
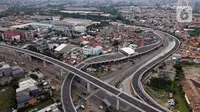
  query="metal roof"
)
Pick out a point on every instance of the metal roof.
point(128, 50)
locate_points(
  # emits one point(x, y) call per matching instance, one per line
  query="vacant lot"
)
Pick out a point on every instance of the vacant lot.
point(192, 72)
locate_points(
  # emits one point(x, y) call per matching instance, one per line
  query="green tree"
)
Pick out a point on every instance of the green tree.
point(1, 39)
point(160, 84)
point(195, 32)
point(179, 71)
point(14, 83)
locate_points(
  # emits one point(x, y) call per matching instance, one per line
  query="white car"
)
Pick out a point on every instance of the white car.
point(101, 107)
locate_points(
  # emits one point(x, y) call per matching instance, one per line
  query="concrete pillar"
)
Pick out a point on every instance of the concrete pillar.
point(88, 87)
point(117, 105)
point(29, 57)
point(14, 53)
point(61, 72)
point(44, 64)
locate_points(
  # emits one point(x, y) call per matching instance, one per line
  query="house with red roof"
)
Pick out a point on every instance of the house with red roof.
point(11, 35)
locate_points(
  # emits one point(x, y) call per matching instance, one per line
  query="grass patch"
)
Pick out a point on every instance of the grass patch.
point(100, 73)
point(161, 96)
point(160, 88)
point(186, 63)
point(180, 100)
point(6, 99)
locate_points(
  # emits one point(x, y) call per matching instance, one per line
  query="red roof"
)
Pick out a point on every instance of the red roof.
point(198, 39)
point(11, 33)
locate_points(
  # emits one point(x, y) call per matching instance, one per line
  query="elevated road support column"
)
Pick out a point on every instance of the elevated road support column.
point(15, 54)
point(117, 105)
point(30, 58)
point(61, 72)
point(44, 64)
point(88, 87)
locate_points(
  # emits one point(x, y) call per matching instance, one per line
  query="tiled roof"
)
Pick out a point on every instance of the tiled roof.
point(11, 33)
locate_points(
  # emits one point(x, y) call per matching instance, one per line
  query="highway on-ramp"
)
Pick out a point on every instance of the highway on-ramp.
point(120, 56)
point(138, 75)
point(66, 87)
point(93, 80)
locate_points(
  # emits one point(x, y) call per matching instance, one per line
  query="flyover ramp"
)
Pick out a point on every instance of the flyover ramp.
point(93, 80)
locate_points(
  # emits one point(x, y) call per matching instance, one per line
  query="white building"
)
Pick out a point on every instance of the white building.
point(177, 33)
point(65, 48)
point(127, 51)
point(80, 28)
point(88, 50)
point(26, 84)
point(97, 50)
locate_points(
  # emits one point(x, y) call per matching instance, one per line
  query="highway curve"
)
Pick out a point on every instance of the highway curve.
point(93, 80)
point(104, 86)
point(137, 77)
point(66, 87)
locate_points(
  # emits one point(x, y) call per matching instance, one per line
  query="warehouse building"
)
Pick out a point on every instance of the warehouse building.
point(17, 72)
point(27, 90)
point(22, 96)
point(127, 51)
point(65, 48)
point(88, 50)
point(5, 69)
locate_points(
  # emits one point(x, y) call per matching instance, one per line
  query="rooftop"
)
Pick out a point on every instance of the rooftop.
point(11, 33)
point(192, 93)
point(51, 107)
point(3, 66)
point(22, 88)
point(65, 48)
point(128, 50)
point(23, 93)
point(26, 84)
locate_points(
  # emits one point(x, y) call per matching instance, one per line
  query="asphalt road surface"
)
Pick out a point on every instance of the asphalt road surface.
point(81, 74)
point(103, 58)
point(137, 86)
point(68, 105)
point(87, 77)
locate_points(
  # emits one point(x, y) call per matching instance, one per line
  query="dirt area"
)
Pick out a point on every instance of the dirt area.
point(161, 97)
point(165, 70)
point(105, 71)
point(192, 72)
point(56, 84)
